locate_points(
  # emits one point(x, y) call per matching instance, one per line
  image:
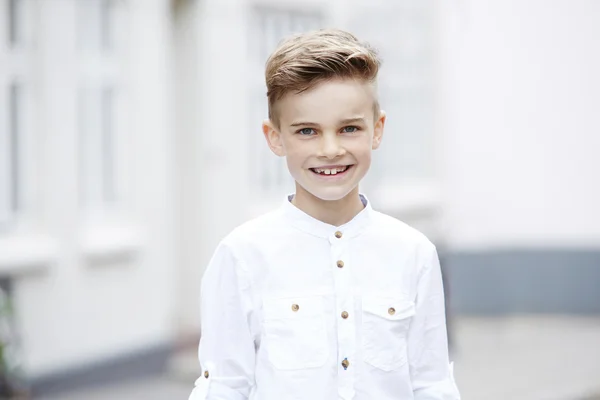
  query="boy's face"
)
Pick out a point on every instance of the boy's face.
point(327, 135)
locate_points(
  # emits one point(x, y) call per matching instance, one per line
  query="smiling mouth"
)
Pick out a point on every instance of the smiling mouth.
point(331, 171)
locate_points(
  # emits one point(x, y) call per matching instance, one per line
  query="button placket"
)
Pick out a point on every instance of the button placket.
point(341, 268)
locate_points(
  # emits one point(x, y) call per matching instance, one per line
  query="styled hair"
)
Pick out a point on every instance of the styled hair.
point(302, 61)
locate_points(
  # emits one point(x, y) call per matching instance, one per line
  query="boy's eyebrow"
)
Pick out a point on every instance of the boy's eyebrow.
point(342, 122)
point(304, 124)
point(352, 120)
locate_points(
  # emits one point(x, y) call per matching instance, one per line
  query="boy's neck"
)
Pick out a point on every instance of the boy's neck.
point(336, 213)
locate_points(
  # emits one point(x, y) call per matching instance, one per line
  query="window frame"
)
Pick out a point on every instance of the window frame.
point(414, 74)
point(267, 173)
point(18, 108)
point(107, 229)
point(403, 196)
point(23, 249)
point(100, 71)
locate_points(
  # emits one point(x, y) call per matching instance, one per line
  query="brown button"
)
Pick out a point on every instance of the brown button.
point(295, 307)
point(338, 234)
point(345, 363)
point(344, 314)
point(391, 311)
point(206, 375)
point(340, 264)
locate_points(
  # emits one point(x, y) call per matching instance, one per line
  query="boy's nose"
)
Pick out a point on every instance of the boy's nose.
point(331, 147)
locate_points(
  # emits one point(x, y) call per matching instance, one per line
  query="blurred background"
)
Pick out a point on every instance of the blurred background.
point(130, 144)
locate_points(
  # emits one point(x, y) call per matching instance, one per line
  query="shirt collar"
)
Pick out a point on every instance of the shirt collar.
point(308, 224)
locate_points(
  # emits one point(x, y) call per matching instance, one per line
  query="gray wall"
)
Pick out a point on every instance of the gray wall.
point(523, 281)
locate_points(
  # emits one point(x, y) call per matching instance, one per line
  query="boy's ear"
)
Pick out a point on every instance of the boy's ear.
point(378, 130)
point(273, 138)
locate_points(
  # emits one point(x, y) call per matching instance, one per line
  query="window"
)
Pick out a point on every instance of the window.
point(269, 27)
point(96, 25)
point(9, 155)
point(98, 103)
point(15, 23)
point(15, 109)
point(403, 34)
point(96, 116)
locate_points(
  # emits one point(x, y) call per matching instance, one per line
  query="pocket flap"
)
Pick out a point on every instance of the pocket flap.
point(389, 308)
point(292, 307)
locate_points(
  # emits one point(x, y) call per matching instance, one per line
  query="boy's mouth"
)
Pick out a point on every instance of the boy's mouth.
point(332, 171)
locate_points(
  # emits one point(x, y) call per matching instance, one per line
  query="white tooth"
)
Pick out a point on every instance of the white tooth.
point(318, 171)
point(334, 171)
point(327, 172)
point(342, 169)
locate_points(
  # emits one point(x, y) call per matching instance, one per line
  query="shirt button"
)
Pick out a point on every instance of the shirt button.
point(295, 307)
point(338, 234)
point(345, 363)
point(206, 374)
point(392, 311)
point(344, 314)
point(340, 264)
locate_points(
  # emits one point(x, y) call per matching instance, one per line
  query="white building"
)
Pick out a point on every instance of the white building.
point(86, 186)
point(130, 144)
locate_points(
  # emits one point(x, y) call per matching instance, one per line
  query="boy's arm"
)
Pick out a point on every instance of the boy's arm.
point(226, 351)
point(430, 371)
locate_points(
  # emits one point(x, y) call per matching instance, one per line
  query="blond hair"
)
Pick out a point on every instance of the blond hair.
point(302, 61)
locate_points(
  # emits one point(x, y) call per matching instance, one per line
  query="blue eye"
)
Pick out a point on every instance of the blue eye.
point(306, 131)
point(350, 129)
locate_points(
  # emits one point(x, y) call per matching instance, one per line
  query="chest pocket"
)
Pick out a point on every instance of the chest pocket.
point(385, 323)
point(295, 335)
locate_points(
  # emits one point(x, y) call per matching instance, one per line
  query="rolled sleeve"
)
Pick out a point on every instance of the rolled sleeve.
point(227, 350)
point(430, 370)
point(200, 389)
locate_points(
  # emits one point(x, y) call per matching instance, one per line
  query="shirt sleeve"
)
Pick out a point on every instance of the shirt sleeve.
point(227, 350)
point(430, 371)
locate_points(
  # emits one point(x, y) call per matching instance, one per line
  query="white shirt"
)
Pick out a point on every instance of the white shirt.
point(294, 308)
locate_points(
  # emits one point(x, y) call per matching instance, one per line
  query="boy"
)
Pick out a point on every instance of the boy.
point(324, 298)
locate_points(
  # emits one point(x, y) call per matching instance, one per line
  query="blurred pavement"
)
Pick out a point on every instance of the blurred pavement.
point(528, 358)
point(159, 388)
point(504, 358)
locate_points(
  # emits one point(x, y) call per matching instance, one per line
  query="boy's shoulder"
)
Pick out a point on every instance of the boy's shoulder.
point(259, 227)
point(389, 228)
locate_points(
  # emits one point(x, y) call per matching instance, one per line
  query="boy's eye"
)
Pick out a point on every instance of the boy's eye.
point(306, 131)
point(350, 129)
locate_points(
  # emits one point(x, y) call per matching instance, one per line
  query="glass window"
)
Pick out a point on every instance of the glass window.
point(99, 90)
point(95, 21)
point(10, 154)
point(16, 55)
point(268, 28)
point(97, 151)
point(403, 34)
point(15, 22)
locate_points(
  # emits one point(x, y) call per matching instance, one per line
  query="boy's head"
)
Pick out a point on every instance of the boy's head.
point(324, 116)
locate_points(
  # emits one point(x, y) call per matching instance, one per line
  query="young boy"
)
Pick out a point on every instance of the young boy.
point(324, 298)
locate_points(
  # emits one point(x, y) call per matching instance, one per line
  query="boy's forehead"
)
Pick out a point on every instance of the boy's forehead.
point(328, 102)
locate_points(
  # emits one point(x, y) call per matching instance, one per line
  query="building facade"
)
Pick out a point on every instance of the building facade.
point(130, 144)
